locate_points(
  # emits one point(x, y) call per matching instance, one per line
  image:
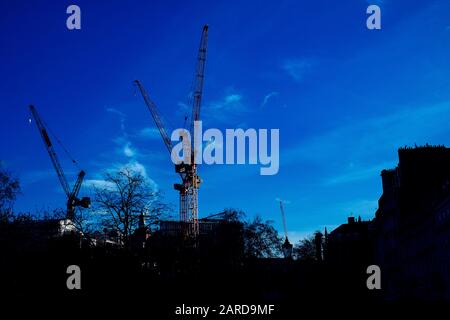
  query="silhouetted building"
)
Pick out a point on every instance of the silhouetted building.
point(36, 234)
point(318, 245)
point(412, 230)
point(176, 228)
point(218, 239)
point(349, 245)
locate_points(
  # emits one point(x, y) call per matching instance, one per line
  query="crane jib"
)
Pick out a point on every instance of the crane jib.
point(72, 200)
point(46, 138)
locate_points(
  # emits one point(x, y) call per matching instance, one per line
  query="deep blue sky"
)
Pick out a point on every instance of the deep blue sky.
point(344, 98)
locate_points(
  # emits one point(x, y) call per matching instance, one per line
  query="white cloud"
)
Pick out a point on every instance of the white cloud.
point(232, 98)
point(298, 68)
point(115, 111)
point(99, 184)
point(125, 148)
point(133, 165)
point(149, 133)
point(230, 106)
point(267, 97)
point(128, 151)
point(352, 175)
point(136, 167)
point(229, 103)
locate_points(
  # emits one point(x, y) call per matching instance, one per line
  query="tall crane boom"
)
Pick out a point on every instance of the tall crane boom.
point(287, 246)
point(188, 188)
point(50, 150)
point(155, 114)
point(72, 196)
point(284, 219)
point(199, 78)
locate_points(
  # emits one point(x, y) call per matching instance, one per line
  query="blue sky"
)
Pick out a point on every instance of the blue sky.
point(344, 98)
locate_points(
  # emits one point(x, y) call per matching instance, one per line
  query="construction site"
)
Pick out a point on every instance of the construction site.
point(189, 225)
point(120, 195)
point(144, 249)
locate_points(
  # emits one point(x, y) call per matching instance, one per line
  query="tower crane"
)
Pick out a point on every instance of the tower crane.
point(72, 195)
point(190, 180)
point(287, 246)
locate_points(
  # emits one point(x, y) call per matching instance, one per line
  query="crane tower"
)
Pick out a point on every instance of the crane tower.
point(72, 195)
point(190, 180)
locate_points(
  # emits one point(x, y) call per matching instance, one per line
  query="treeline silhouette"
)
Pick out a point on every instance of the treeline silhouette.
point(126, 243)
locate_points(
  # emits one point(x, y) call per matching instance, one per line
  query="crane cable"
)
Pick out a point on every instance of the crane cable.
point(69, 155)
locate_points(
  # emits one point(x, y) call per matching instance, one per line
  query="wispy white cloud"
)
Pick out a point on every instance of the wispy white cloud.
point(132, 165)
point(136, 167)
point(99, 184)
point(364, 140)
point(124, 149)
point(353, 175)
point(116, 111)
point(149, 133)
point(228, 107)
point(128, 151)
point(123, 140)
point(267, 97)
point(298, 68)
point(231, 102)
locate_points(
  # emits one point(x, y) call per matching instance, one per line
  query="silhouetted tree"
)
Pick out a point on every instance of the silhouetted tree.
point(261, 240)
point(9, 189)
point(306, 249)
point(232, 215)
point(124, 197)
point(84, 220)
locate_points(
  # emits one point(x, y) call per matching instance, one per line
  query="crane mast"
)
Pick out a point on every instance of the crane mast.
point(287, 246)
point(72, 196)
point(283, 217)
point(190, 203)
point(188, 188)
